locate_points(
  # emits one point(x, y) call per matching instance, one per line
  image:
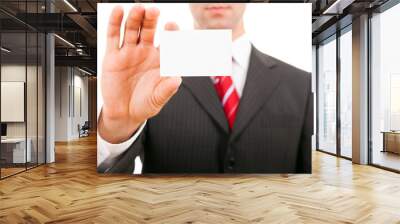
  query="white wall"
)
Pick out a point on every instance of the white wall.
point(12, 73)
point(61, 103)
point(81, 83)
point(68, 81)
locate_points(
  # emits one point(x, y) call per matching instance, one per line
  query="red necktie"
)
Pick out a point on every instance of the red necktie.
point(228, 95)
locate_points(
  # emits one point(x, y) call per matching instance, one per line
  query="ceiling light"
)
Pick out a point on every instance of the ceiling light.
point(84, 71)
point(64, 40)
point(70, 5)
point(5, 50)
point(338, 6)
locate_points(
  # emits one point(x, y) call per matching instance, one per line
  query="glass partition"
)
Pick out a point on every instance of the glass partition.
point(31, 100)
point(22, 67)
point(327, 96)
point(14, 153)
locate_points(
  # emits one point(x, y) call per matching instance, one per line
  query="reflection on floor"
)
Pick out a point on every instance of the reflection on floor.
point(10, 171)
point(13, 169)
point(70, 191)
point(386, 159)
point(346, 152)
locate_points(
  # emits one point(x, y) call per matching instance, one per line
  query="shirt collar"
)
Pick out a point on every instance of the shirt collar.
point(241, 49)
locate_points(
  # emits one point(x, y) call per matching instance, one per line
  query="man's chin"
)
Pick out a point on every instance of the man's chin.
point(218, 26)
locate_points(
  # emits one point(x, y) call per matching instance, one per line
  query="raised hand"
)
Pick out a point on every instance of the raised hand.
point(132, 88)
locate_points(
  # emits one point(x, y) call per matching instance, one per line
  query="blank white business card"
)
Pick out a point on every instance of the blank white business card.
point(196, 53)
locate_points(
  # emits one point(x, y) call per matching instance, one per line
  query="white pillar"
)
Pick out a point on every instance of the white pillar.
point(50, 99)
point(360, 90)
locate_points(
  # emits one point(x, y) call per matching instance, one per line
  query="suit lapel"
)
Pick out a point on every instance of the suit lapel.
point(203, 90)
point(260, 83)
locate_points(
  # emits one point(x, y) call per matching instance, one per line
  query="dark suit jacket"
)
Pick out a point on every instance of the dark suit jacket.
point(271, 134)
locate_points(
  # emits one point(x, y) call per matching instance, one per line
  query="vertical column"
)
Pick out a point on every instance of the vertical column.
point(50, 92)
point(50, 99)
point(314, 91)
point(338, 97)
point(92, 100)
point(360, 90)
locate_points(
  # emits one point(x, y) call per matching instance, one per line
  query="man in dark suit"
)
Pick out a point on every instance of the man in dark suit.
point(258, 120)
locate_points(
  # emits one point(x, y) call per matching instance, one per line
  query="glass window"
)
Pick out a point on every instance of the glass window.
point(346, 94)
point(385, 88)
point(327, 96)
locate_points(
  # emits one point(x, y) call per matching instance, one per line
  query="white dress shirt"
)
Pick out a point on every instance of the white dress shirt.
point(241, 49)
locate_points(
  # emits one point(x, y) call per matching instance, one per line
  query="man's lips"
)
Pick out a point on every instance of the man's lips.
point(217, 8)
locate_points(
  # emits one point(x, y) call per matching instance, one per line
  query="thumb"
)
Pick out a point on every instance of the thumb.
point(164, 90)
point(170, 26)
point(168, 86)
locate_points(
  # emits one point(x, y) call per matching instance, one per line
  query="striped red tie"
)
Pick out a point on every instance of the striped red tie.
point(228, 95)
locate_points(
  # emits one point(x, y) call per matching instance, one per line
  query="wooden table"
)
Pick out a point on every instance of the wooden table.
point(391, 141)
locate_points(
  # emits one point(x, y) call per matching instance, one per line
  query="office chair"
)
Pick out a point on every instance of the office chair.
point(84, 130)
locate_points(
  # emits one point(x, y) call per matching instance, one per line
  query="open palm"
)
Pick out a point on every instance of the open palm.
point(132, 88)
